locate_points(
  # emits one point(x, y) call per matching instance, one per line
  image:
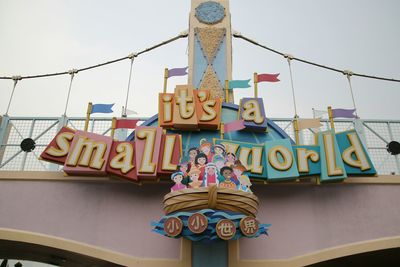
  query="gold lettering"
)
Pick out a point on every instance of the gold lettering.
point(82, 153)
point(209, 113)
point(330, 157)
point(186, 106)
point(149, 134)
point(124, 159)
point(63, 141)
point(167, 108)
point(168, 153)
point(356, 148)
point(286, 156)
point(302, 159)
point(252, 112)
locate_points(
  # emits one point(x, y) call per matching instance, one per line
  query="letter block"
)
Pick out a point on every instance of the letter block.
point(281, 165)
point(88, 154)
point(332, 166)
point(308, 159)
point(170, 154)
point(252, 111)
point(147, 149)
point(354, 155)
point(184, 114)
point(208, 110)
point(121, 161)
point(166, 103)
point(57, 150)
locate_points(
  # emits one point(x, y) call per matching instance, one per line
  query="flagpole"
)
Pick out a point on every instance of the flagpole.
point(296, 130)
point(165, 79)
point(113, 125)
point(330, 114)
point(255, 78)
point(89, 111)
point(221, 130)
point(226, 91)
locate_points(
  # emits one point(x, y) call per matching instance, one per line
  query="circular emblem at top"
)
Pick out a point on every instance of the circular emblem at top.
point(210, 12)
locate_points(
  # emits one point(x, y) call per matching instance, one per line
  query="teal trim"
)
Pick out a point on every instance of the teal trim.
point(210, 254)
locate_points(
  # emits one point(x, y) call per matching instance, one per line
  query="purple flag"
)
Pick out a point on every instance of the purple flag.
point(343, 113)
point(177, 72)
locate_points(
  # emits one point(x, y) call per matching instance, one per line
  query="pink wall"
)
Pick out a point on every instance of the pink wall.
point(117, 216)
point(309, 218)
point(114, 216)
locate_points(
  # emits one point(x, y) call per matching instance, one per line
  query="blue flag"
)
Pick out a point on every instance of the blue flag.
point(239, 84)
point(102, 108)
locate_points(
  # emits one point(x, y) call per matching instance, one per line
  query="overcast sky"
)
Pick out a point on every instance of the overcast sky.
point(45, 36)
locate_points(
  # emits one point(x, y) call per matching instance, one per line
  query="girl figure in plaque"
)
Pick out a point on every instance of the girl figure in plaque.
point(200, 163)
point(211, 176)
point(227, 173)
point(205, 147)
point(238, 170)
point(177, 177)
point(194, 175)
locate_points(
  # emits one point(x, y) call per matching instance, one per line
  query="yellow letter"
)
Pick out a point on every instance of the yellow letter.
point(252, 112)
point(168, 153)
point(356, 148)
point(95, 161)
point(276, 163)
point(167, 108)
point(123, 160)
point(209, 113)
point(63, 141)
point(302, 158)
point(330, 156)
point(186, 110)
point(147, 166)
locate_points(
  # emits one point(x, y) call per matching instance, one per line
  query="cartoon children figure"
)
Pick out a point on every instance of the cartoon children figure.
point(200, 162)
point(177, 177)
point(193, 152)
point(227, 183)
point(230, 159)
point(194, 174)
point(211, 175)
point(245, 184)
point(244, 180)
point(219, 161)
point(183, 167)
point(219, 150)
point(205, 147)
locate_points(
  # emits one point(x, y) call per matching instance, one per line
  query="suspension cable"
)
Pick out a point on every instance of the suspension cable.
point(240, 36)
point(183, 34)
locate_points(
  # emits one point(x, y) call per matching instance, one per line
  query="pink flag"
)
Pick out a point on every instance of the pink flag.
point(234, 126)
point(268, 77)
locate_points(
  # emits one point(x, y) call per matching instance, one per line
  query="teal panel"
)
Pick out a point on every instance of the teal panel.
point(314, 167)
point(280, 175)
point(263, 175)
point(344, 143)
point(210, 254)
point(200, 63)
point(219, 63)
point(324, 158)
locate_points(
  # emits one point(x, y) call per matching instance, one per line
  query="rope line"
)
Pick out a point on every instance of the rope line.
point(129, 85)
point(181, 35)
point(289, 58)
point(240, 36)
point(16, 79)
